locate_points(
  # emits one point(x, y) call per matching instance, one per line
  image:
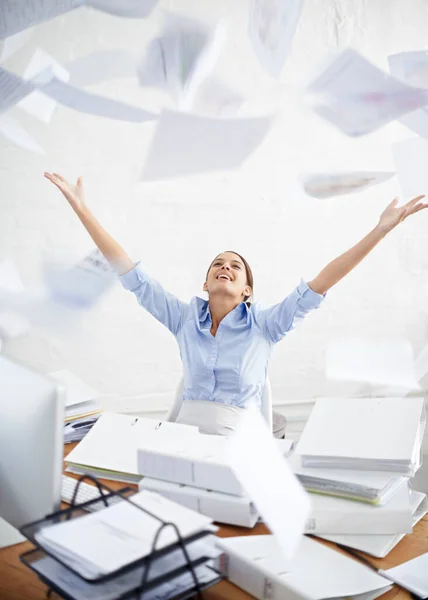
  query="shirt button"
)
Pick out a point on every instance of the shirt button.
point(212, 376)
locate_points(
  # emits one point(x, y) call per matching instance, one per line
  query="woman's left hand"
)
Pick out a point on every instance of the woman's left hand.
point(392, 215)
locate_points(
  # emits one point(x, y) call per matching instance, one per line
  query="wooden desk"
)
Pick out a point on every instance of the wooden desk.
point(17, 582)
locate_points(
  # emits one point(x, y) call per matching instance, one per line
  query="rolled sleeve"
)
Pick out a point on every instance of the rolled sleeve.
point(162, 305)
point(281, 318)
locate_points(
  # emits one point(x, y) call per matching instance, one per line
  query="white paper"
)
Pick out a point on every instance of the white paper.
point(124, 8)
point(275, 491)
point(11, 325)
point(16, 15)
point(215, 99)
point(97, 67)
point(38, 104)
point(272, 24)
point(14, 43)
point(412, 68)
point(111, 538)
point(15, 133)
point(182, 58)
point(185, 144)
point(358, 98)
point(77, 390)
point(411, 163)
point(412, 575)
point(328, 185)
point(12, 89)
point(384, 362)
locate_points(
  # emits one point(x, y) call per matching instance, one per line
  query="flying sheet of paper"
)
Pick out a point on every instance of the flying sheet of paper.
point(358, 98)
point(38, 104)
point(77, 390)
point(182, 57)
point(271, 28)
point(328, 185)
point(16, 16)
point(412, 68)
point(93, 104)
point(411, 164)
point(15, 133)
point(104, 65)
point(14, 43)
point(12, 89)
point(276, 492)
point(185, 144)
point(11, 325)
point(215, 99)
point(383, 362)
point(411, 575)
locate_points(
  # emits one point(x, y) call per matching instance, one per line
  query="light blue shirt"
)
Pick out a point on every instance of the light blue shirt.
point(231, 367)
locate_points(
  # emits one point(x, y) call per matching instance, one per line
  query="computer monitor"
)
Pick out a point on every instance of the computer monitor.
point(31, 447)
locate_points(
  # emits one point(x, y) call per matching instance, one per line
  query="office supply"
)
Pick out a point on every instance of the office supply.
point(14, 43)
point(328, 185)
point(412, 68)
point(375, 434)
point(385, 362)
point(85, 492)
point(75, 430)
point(358, 98)
point(105, 541)
point(223, 508)
point(316, 571)
point(337, 515)
point(31, 448)
point(15, 133)
point(366, 486)
point(82, 399)
point(381, 545)
point(109, 450)
point(271, 28)
point(185, 144)
point(278, 496)
point(411, 575)
point(411, 160)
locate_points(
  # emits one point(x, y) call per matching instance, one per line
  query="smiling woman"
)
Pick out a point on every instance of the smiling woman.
point(225, 342)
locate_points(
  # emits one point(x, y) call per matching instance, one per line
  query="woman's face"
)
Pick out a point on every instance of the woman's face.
point(227, 276)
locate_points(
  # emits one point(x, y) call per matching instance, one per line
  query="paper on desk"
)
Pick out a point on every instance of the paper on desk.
point(384, 362)
point(268, 480)
point(328, 185)
point(14, 43)
point(411, 575)
point(104, 541)
point(12, 89)
point(77, 390)
point(38, 104)
point(17, 16)
point(94, 68)
point(358, 98)
point(412, 68)
point(185, 144)
point(14, 132)
point(271, 27)
point(182, 57)
point(411, 163)
point(11, 325)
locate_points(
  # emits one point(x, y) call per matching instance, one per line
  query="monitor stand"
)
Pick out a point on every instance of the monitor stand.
point(9, 535)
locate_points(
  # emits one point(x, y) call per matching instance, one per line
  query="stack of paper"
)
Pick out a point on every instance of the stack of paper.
point(374, 434)
point(109, 539)
point(82, 400)
point(109, 450)
point(366, 486)
point(254, 563)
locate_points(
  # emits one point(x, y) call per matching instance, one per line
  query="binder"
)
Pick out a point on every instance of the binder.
point(184, 566)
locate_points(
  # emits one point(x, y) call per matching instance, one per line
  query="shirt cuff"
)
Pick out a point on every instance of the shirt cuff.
point(134, 278)
point(308, 298)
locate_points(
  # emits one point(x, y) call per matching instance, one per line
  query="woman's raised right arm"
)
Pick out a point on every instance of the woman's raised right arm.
point(112, 251)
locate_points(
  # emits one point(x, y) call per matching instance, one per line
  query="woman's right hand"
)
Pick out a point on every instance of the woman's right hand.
point(72, 193)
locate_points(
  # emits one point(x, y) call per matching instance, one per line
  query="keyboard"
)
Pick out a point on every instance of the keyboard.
point(86, 493)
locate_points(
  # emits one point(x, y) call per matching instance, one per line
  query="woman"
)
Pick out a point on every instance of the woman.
point(225, 342)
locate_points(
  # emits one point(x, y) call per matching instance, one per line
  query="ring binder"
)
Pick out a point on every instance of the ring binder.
point(137, 590)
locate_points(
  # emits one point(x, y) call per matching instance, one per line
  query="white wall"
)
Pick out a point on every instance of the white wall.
point(176, 227)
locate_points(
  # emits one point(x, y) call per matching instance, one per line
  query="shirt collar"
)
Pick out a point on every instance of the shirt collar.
point(242, 310)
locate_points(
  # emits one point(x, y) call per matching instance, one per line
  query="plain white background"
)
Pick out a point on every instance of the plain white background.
point(176, 227)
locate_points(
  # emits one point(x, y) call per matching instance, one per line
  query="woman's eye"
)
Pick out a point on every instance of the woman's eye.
point(237, 266)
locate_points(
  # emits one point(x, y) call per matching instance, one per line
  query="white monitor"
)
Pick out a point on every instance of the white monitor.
point(31, 447)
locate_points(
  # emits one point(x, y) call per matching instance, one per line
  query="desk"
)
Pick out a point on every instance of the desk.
point(17, 582)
